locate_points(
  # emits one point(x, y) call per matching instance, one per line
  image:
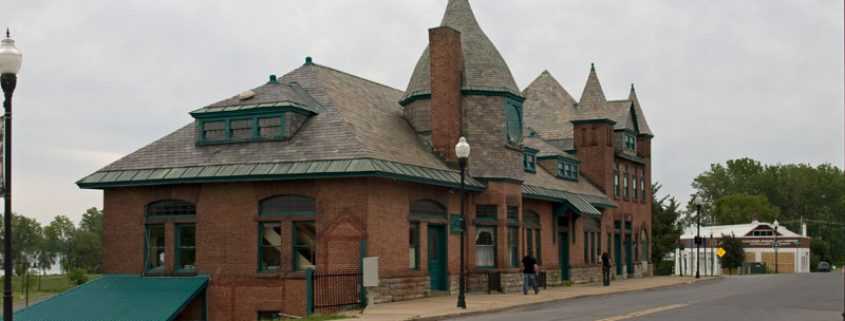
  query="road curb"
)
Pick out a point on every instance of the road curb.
point(532, 304)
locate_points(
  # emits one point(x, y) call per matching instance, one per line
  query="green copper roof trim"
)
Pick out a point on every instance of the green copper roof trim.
point(594, 120)
point(323, 169)
point(585, 204)
point(246, 110)
point(468, 91)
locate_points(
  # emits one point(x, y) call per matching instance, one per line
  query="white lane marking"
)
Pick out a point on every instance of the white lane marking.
point(644, 312)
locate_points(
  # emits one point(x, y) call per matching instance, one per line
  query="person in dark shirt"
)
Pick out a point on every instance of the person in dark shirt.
point(605, 268)
point(529, 274)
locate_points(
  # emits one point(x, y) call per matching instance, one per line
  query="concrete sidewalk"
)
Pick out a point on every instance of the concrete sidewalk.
point(436, 308)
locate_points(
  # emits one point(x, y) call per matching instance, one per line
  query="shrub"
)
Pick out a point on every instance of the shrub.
point(77, 276)
point(664, 268)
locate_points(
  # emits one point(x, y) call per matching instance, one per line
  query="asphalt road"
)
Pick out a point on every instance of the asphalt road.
point(784, 297)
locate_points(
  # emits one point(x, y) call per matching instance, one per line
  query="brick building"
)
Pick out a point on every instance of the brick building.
point(317, 168)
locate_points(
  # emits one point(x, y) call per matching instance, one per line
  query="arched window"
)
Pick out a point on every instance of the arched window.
point(274, 210)
point(157, 214)
point(428, 210)
point(288, 205)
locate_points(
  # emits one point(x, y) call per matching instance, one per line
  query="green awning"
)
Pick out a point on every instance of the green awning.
point(343, 168)
point(576, 201)
point(119, 298)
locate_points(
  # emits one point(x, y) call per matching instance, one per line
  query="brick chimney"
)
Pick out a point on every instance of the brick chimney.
point(447, 69)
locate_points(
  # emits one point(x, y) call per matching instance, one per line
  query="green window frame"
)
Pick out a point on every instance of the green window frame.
point(304, 245)
point(513, 119)
point(642, 186)
point(513, 246)
point(485, 246)
point(154, 248)
point(529, 162)
point(414, 247)
point(586, 247)
point(630, 142)
point(186, 247)
point(567, 169)
point(239, 129)
point(625, 187)
point(269, 246)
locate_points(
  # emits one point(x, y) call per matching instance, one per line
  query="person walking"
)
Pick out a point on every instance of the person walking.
point(605, 268)
point(529, 274)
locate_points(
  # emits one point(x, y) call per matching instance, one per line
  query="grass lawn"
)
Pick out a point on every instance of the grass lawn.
point(50, 285)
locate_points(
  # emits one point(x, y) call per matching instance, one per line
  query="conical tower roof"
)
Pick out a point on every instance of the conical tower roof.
point(592, 98)
point(484, 67)
point(641, 121)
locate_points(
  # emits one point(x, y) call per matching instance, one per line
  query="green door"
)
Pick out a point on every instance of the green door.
point(629, 254)
point(437, 258)
point(617, 252)
point(563, 244)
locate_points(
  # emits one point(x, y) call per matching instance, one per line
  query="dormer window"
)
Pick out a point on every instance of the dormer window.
point(272, 112)
point(513, 119)
point(568, 169)
point(529, 160)
point(240, 129)
point(630, 142)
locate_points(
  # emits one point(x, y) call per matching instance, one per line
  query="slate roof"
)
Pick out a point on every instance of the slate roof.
point(356, 128)
point(272, 94)
point(548, 108)
point(361, 120)
point(484, 67)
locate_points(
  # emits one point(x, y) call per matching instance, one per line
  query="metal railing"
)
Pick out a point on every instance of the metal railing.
point(335, 291)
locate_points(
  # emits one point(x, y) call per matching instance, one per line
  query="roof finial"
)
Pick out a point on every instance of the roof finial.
point(592, 66)
point(8, 35)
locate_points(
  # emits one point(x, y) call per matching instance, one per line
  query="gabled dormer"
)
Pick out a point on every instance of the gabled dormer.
point(272, 112)
point(563, 167)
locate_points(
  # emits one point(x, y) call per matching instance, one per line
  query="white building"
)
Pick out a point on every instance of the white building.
point(793, 250)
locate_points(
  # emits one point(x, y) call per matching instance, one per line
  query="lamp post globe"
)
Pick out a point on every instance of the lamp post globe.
point(10, 57)
point(462, 150)
point(10, 63)
point(775, 244)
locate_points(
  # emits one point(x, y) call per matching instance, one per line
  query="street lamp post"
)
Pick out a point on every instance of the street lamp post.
point(698, 202)
point(10, 64)
point(462, 150)
point(775, 244)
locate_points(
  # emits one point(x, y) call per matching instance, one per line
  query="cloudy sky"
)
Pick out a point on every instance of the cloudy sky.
point(718, 79)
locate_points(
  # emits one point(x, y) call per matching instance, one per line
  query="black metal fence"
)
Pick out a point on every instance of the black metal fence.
point(543, 280)
point(335, 291)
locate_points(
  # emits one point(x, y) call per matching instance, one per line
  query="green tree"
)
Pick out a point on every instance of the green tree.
point(26, 242)
point(59, 236)
point(86, 242)
point(742, 208)
point(664, 227)
point(734, 253)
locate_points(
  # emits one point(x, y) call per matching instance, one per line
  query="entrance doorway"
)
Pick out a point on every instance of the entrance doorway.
point(437, 258)
point(563, 244)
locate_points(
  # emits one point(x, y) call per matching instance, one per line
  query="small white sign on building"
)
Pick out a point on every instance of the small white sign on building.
point(371, 278)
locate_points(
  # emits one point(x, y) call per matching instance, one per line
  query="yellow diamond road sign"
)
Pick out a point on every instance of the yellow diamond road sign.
point(721, 252)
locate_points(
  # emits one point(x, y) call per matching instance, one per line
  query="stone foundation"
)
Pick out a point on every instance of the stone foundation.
point(401, 289)
point(585, 274)
point(512, 282)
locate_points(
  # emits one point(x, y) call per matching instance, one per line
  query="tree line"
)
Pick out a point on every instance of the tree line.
point(744, 189)
point(73, 247)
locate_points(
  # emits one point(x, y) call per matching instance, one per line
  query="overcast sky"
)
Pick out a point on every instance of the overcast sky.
point(717, 79)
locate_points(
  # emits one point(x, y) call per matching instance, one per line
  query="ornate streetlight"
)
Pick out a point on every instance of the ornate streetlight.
point(462, 150)
point(10, 64)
